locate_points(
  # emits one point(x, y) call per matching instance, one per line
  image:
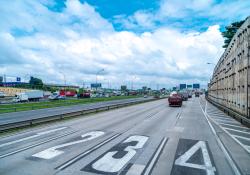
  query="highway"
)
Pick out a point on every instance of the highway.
point(148, 138)
point(8, 118)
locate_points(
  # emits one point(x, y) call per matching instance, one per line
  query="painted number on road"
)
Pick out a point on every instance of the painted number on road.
point(54, 152)
point(193, 157)
point(117, 157)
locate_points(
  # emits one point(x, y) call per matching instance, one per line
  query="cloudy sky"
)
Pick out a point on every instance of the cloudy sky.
point(149, 42)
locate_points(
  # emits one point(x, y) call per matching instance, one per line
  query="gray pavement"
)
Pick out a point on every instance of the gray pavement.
point(149, 138)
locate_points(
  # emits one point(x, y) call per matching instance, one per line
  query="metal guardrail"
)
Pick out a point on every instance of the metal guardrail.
point(50, 104)
point(243, 119)
point(31, 122)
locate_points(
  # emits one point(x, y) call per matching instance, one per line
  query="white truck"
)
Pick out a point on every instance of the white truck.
point(33, 95)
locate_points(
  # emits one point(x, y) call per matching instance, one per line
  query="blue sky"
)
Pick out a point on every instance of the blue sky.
point(150, 42)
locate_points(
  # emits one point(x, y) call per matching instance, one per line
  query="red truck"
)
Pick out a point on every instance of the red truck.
point(175, 99)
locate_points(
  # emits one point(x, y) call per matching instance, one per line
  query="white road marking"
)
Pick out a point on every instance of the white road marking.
point(152, 162)
point(53, 151)
point(238, 125)
point(37, 144)
point(136, 169)
point(182, 160)
point(236, 130)
point(224, 118)
point(65, 165)
point(31, 137)
point(109, 164)
point(219, 120)
point(244, 138)
point(228, 157)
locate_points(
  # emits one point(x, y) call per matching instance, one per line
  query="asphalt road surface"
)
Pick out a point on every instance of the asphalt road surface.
point(149, 138)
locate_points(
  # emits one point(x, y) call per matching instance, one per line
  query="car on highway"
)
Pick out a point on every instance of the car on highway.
point(184, 95)
point(175, 99)
point(56, 96)
point(2, 94)
point(197, 94)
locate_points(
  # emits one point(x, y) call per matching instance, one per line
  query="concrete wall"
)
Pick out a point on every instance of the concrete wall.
point(229, 85)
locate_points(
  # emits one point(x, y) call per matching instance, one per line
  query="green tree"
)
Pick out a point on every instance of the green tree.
point(230, 31)
point(36, 83)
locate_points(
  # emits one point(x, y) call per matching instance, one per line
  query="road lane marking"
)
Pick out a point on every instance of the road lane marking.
point(193, 154)
point(238, 125)
point(220, 120)
point(80, 156)
point(37, 144)
point(225, 118)
point(236, 130)
point(241, 137)
point(113, 161)
point(221, 145)
point(54, 152)
point(155, 157)
point(31, 137)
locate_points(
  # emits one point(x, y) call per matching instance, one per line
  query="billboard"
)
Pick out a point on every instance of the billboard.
point(96, 85)
point(196, 86)
point(189, 86)
point(18, 79)
point(183, 86)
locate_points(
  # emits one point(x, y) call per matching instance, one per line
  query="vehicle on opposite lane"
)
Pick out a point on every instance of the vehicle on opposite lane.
point(175, 99)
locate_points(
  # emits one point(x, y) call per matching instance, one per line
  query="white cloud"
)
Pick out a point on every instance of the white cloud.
point(85, 43)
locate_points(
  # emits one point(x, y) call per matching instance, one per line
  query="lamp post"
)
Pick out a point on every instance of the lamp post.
point(97, 73)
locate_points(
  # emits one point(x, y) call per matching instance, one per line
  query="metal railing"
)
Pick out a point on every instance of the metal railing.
point(48, 118)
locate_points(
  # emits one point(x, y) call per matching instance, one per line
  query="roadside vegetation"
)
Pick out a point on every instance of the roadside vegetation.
point(6, 108)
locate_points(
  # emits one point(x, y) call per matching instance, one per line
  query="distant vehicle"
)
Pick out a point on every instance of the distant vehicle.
point(190, 95)
point(84, 95)
point(184, 96)
point(175, 99)
point(34, 95)
point(2, 94)
point(145, 96)
point(56, 96)
point(197, 94)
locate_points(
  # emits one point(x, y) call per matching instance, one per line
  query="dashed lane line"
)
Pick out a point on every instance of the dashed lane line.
point(224, 118)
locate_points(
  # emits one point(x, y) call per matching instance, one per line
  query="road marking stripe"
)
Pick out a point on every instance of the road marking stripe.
point(238, 126)
point(229, 158)
point(226, 118)
point(244, 138)
point(37, 144)
point(155, 157)
point(236, 130)
point(31, 137)
point(219, 120)
point(80, 156)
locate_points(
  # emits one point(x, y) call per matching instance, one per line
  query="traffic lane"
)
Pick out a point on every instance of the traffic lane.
point(192, 148)
point(17, 142)
point(40, 113)
point(134, 148)
point(12, 162)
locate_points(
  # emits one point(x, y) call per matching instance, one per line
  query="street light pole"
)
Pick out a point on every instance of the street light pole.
point(98, 72)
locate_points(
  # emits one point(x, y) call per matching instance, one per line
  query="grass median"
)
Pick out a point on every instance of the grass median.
point(6, 108)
